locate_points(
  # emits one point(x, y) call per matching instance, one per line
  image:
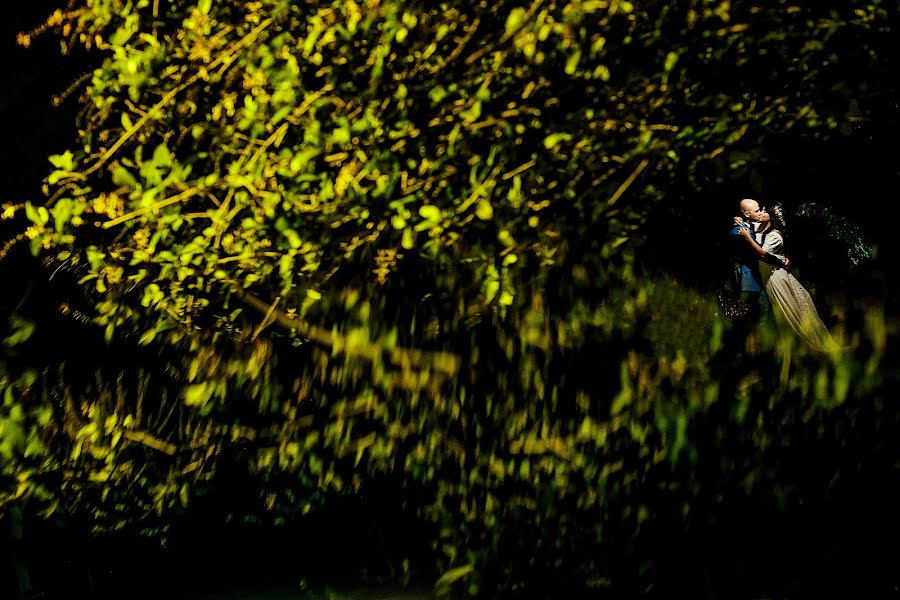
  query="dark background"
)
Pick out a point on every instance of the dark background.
point(31, 127)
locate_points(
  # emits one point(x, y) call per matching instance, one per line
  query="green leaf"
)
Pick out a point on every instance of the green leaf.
point(671, 59)
point(409, 239)
point(161, 156)
point(471, 114)
point(12, 437)
point(37, 215)
point(491, 287)
point(554, 139)
point(453, 575)
point(515, 19)
point(123, 178)
point(341, 136)
point(572, 62)
point(430, 213)
point(62, 213)
point(437, 94)
point(302, 158)
point(198, 394)
point(64, 161)
point(293, 238)
point(152, 295)
point(22, 330)
point(484, 210)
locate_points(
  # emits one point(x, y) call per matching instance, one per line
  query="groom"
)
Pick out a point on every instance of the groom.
point(746, 263)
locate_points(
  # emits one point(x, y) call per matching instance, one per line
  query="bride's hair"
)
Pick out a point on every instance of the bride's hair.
point(776, 221)
point(777, 211)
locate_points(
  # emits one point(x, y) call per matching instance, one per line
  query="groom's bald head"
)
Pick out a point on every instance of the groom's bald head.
point(750, 209)
point(747, 204)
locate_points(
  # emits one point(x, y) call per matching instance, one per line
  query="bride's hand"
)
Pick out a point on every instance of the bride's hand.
point(738, 221)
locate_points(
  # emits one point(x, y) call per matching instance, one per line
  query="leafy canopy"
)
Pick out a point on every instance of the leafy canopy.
point(380, 238)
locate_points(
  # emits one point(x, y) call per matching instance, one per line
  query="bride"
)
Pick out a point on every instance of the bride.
point(791, 302)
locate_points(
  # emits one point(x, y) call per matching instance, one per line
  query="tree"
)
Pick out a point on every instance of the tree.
point(372, 238)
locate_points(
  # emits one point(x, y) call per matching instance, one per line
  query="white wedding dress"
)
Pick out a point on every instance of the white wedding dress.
point(792, 304)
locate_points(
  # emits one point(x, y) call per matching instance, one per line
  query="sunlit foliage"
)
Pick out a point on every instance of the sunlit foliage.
point(391, 238)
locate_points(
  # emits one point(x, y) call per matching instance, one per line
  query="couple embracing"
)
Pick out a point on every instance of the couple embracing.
point(766, 284)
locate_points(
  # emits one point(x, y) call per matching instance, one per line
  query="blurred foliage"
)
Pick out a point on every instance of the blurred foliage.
point(395, 240)
point(847, 235)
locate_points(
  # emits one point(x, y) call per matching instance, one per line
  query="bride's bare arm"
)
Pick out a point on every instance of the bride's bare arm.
point(762, 254)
